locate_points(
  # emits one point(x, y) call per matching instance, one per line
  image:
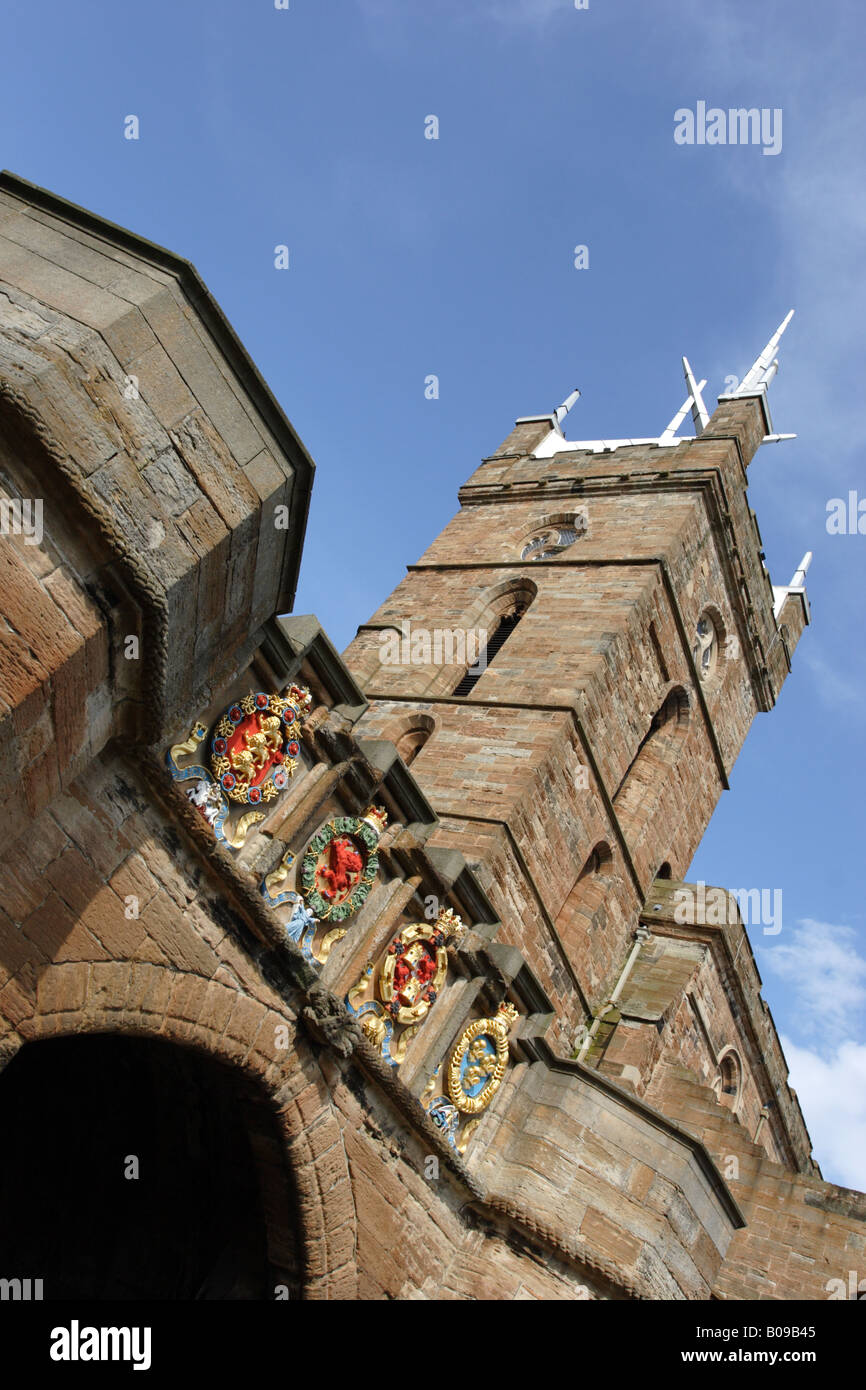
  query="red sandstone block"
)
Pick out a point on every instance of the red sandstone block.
point(246, 1020)
point(41, 781)
point(109, 986)
point(612, 1240)
point(157, 990)
point(375, 1261)
point(176, 937)
point(91, 829)
point(188, 997)
point(340, 1243)
point(62, 988)
point(22, 892)
point(330, 1168)
point(16, 1002)
point(134, 879)
point(217, 1006)
point(310, 1103)
point(74, 878)
point(44, 844)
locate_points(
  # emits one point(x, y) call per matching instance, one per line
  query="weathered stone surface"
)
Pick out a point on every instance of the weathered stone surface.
point(588, 758)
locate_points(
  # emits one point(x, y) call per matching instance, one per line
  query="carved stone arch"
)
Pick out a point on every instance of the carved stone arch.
point(637, 797)
point(409, 733)
point(728, 1081)
point(312, 1232)
point(499, 601)
point(507, 599)
point(583, 908)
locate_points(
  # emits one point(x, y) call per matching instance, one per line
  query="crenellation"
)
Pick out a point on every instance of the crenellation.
point(576, 1090)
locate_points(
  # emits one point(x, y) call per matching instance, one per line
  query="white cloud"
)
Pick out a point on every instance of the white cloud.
point(832, 1094)
point(821, 964)
point(815, 195)
point(834, 689)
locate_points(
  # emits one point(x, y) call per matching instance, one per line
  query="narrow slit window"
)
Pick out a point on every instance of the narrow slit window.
point(494, 645)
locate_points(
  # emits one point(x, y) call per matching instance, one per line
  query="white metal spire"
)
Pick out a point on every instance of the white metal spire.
point(669, 436)
point(562, 410)
point(754, 383)
point(765, 366)
point(700, 415)
point(796, 586)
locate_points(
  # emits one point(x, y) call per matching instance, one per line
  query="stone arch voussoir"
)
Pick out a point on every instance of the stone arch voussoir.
point(139, 998)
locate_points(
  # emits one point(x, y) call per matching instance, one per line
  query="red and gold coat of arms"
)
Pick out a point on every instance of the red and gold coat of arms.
point(255, 745)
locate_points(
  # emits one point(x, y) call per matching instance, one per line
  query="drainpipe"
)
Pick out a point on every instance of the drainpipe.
point(641, 935)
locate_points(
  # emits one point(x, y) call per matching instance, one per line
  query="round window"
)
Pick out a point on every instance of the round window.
point(552, 540)
point(705, 647)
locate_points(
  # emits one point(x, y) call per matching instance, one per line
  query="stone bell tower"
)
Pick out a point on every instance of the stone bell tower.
point(316, 1024)
point(632, 635)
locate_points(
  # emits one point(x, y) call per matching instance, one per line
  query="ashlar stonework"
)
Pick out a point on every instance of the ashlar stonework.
point(441, 898)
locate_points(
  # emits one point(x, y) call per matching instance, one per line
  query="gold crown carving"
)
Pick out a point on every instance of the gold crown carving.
point(376, 816)
point(299, 695)
point(506, 1017)
point(450, 924)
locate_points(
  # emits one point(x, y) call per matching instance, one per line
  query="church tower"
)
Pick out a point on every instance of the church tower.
point(451, 1032)
point(628, 634)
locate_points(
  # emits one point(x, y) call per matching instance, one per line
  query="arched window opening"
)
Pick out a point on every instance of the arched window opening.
point(664, 871)
point(728, 1080)
point(638, 794)
point(599, 862)
point(583, 909)
point(494, 645)
point(411, 741)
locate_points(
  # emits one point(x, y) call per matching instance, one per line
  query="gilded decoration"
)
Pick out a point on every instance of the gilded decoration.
point(253, 754)
point(302, 924)
point(340, 864)
point(479, 1061)
point(335, 875)
point(255, 745)
point(411, 975)
point(415, 966)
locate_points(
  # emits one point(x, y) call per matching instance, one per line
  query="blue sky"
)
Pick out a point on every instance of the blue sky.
point(305, 127)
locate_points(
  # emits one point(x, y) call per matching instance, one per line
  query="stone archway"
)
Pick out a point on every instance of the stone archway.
point(292, 1127)
point(128, 1171)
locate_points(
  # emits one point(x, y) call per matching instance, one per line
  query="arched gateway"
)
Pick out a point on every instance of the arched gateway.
point(279, 1015)
point(138, 1168)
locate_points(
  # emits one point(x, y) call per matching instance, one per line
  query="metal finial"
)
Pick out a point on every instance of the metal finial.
point(799, 578)
point(669, 436)
point(562, 410)
point(765, 366)
point(700, 414)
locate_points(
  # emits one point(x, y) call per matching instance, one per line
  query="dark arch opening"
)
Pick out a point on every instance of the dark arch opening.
point(73, 1111)
point(504, 628)
point(414, 734)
